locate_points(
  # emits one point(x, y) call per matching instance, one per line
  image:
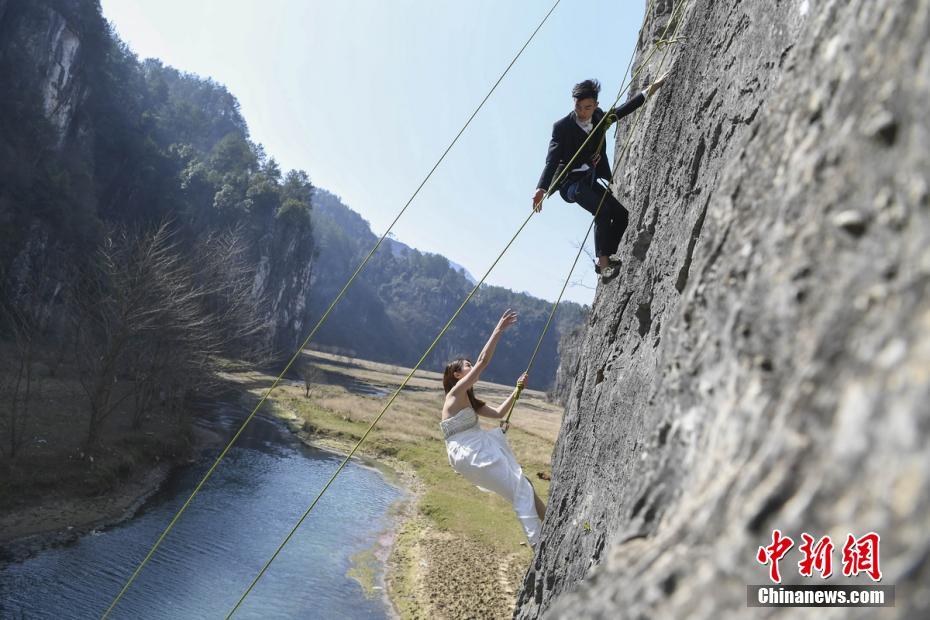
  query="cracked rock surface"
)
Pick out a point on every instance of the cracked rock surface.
point(763, 359)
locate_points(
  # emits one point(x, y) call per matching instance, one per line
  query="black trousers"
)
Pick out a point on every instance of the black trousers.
point(610, 223)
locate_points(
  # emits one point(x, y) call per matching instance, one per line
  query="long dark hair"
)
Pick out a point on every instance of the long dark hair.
point(449, 381)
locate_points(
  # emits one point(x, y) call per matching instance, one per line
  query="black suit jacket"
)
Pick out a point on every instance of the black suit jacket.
point(567, 137)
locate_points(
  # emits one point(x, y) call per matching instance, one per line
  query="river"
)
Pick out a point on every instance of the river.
point(231, 528)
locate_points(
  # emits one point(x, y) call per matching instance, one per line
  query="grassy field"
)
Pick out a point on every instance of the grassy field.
point(460, 550)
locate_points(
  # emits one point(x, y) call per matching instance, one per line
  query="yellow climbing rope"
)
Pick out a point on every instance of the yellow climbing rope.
point(319, 323)
point(435, 341)
point(364, 262)
point(397, 391)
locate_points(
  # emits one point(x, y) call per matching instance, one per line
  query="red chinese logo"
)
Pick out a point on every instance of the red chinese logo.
point(774, 552)
point(861, 556)
point(819, 556)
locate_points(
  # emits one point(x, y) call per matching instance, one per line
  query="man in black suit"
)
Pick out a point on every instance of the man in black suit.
point(580, 184)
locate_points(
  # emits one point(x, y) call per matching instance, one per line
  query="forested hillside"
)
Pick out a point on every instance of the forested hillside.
point(143, 236)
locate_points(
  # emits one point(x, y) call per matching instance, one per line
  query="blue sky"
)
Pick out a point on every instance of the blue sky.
point(365, 94)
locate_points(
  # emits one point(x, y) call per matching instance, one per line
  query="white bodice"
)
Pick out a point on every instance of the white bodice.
point(461, 421)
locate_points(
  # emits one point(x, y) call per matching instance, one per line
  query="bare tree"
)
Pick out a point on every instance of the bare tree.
point(226, 275)
point(154, 320)
point(312, 377)
point(16, 391)
point(25, 313)
point(139, 292)
point(579, 279)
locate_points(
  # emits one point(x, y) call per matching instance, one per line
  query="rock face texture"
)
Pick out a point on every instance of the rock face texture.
point(286, 257)
point(570, 352)
point(58, 95)
point(763, 360)
point(45, 36)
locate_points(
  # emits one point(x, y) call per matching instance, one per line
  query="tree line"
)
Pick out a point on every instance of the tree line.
point(140, 237)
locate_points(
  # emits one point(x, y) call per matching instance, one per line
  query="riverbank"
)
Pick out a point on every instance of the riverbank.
point(215, 550)
point(458, 552)
point(77, 494)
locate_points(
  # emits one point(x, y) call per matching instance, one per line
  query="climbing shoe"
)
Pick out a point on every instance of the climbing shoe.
point(612, 261)
point(607, 273)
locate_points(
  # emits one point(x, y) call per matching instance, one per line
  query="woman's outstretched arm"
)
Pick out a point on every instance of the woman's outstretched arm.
point(484, 358)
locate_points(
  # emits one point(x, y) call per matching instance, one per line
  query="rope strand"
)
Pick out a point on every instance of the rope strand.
point(379, 416)
point(665, 44)
point(429, 350)
point(423, 358)
point(319, 324)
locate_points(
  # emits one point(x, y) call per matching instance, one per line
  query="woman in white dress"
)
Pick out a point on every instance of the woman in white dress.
point(484, 457)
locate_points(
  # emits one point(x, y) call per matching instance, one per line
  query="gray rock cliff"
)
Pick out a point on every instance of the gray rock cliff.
point(286, 259)
point(37, 262)
point(763, 360)
point(46, 36)
point(570, 352)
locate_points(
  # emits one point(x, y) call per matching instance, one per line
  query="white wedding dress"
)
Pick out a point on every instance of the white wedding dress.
point(485, 459)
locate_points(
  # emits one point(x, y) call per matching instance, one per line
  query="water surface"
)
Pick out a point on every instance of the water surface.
point(221, 542)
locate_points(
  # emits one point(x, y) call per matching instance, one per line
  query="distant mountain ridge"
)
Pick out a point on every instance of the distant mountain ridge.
point(404, 297)
point(399, 247)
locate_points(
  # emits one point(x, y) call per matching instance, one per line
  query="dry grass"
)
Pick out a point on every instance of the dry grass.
point(450, 514)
